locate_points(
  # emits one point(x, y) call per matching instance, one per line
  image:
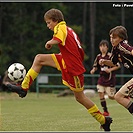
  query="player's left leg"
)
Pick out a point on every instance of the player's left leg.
point(110, 91)
point(39, 61)
point(123, 96)
point(124, 101)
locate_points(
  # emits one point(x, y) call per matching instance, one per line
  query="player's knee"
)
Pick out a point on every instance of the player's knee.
point(111, 97)
point(38, 58)
point(117, 97)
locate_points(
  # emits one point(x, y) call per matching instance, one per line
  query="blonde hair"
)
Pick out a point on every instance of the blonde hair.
point(54, 14)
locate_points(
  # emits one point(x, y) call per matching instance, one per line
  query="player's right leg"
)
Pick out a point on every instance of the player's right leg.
point(105, 121)
point(101, 92)
point(76, 84)
point(103, 103)
point(39, 61)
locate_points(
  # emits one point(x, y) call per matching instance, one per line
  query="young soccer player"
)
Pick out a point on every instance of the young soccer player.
point(106, 81)
point(69, 61)
point(122, 52)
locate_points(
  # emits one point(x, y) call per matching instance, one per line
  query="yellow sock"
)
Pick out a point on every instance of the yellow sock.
point(29, 78)
point(94, 111)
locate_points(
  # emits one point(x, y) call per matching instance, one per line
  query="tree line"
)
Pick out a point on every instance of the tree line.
point(23, 32)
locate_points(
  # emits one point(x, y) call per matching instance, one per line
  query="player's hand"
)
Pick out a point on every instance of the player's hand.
point(107, 70)
point(48, 46)
point(101, 62)
point(92, 71)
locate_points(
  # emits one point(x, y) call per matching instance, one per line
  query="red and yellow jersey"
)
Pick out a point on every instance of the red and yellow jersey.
point(70, 48)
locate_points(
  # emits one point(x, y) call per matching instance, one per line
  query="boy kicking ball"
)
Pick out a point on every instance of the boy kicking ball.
point(69, 61)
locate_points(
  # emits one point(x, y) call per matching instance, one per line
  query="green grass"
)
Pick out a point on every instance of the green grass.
point(52, 113)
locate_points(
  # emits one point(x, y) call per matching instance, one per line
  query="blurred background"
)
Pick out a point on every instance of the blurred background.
point(23, 32)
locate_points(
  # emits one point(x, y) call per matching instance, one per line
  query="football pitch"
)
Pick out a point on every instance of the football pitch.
point(51, 113)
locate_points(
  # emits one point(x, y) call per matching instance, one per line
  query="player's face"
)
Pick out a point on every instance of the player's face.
point(51, 24)
point(103, 48)
point(115, 40)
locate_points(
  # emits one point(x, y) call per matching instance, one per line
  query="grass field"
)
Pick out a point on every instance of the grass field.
point(52, 113)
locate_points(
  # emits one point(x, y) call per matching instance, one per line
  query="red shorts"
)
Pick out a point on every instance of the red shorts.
point(75, 83)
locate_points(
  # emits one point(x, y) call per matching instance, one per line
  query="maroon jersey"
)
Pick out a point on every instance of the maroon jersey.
point(122, 53)
point(105, 79)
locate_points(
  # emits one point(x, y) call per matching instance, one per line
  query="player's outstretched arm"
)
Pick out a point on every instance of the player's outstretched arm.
point(93, 70)
point(50, 43)
point(106, 62)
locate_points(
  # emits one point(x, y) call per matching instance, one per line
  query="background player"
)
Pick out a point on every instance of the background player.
point(106, 81)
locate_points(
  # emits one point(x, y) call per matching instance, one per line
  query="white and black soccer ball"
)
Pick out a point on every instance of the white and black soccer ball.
point(16, 72)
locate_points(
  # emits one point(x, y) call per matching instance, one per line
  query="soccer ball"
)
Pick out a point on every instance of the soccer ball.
point(16, 72)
